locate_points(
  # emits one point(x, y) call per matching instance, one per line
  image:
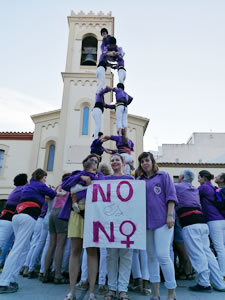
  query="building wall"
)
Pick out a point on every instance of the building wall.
point(176, 171)
point(201, 148)
point(16, 160)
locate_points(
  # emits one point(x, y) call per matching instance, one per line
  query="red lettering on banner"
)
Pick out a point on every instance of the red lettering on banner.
point(96, 188)
point(130, 191)
point(97, 226)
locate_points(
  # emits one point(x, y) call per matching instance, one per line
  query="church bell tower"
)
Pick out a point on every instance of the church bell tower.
point(80, 84)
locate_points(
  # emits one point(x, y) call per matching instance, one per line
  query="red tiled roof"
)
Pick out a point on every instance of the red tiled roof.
point(16, 135)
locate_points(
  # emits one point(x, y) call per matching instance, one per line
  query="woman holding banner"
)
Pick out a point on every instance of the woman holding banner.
point(160, 200)
point(76, 227)
point(119, 261)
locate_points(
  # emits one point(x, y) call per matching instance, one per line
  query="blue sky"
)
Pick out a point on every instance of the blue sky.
point(174, 59)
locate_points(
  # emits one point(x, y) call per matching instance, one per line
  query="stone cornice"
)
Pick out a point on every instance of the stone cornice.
point(83, 75)
point(82, 14)
point(46, 116)
point(190, 165)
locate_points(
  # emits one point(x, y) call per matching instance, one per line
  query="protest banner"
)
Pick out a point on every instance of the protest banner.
point(115, 214)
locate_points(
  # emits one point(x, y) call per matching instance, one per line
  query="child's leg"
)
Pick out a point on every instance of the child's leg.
point(101, 78)
point(97, 116)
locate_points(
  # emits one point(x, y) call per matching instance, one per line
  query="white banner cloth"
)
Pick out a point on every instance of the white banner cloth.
point(115, 214)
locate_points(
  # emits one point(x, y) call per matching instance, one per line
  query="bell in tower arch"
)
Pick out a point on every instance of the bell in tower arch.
point(89, 51)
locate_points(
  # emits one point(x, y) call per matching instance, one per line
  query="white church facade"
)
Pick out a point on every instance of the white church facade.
point(62, 138)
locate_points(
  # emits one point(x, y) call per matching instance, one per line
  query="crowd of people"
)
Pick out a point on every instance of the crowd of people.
point(43, 227)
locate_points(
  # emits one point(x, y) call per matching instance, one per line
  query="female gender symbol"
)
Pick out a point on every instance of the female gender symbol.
point(128, 230)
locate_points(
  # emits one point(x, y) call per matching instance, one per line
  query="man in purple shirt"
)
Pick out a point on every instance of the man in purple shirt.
point(122, 101)
point(6, 228)
point(99, 109)
point(111, 56)
point(195, 234)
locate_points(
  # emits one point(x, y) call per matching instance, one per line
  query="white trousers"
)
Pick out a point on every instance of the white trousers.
point(84, 266)
point(196, 241)
point(34, 241)
point(217, 235)
point(158, 249)
point(119, 263)
point(121, 117)
point(6, 230)
point(140, 264)
point(44, 253)
point(23, 226)
point(128, 159)
point(100, 73)
point(102, 267)
point(121, 75)
point(97, 116)
point(40, 245)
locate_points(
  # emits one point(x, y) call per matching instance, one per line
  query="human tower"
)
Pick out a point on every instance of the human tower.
point(112, 56)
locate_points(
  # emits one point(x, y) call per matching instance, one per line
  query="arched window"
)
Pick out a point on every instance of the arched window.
point(2, 153)
point(51, 156)
point(85, 120)
point(89, 51)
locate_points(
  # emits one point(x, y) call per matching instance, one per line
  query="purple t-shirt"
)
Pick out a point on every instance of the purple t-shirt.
point(71, 181)
point(105, 42)
point(44, 210)
point(113, 177)
point(122, 96)
point(159, 190)
point(100, 96)
point(119, 142)
point(38, 191)
point(207, 194)
point(96, 147)
point(187, 195)
point(14, 196)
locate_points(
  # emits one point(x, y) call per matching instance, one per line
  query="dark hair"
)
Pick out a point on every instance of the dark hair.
point(154, 164)
point(90, 156)
point(120, 86)
point(20, 179)
point(38, 174)
point(222, 176)
point(66, 175)
point(206, 174)
point(104, 30)
point(100, 133)
point(112, 40)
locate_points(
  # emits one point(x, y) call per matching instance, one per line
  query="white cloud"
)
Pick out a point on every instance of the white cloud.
point(16, 109)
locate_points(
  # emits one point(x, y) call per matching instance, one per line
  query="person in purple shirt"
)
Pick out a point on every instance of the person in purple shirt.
point(112, 56)
point(214, 218)
point(99, 109)
point(76, 228)
point(122, 101)
point(6, 228)
point(195, 234)
point(124, 147)
point(105, 38)
point(160, 202)
point(119, 261)
point(27, 211)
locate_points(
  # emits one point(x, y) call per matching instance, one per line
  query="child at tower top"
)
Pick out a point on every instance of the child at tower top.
point(105, 38)
point(122, 101)
point(111, 56)
point(99, 109)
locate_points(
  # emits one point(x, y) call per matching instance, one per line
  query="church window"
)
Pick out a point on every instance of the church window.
point(2, 153)
point(51, 156)
point(85, 120)
point(89, 51)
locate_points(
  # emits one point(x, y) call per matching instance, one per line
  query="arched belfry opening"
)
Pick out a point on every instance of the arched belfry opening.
point(89, 51)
